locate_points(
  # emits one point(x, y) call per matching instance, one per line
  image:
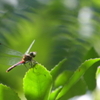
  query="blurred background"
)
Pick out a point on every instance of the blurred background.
point(62, 29)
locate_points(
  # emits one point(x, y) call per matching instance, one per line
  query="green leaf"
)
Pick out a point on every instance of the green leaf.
point(54, 93)
point(78, 88)
point(7, 94)
point(37, 83)
point(91, 71)
point(76, 76)
point(98, 72)
point(92, 53)
point(55, 71)
point(63, 78)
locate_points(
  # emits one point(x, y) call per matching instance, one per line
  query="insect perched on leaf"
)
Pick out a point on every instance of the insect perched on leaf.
point(27, 57)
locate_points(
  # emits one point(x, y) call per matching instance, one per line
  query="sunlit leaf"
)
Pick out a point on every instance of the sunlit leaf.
point(98, 71)
point(54, 93)
point(37, 83)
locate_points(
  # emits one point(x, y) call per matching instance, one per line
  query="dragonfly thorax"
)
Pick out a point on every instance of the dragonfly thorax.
point(27, 58)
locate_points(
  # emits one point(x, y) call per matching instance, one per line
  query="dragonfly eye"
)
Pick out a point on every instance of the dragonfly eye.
point(33, 54)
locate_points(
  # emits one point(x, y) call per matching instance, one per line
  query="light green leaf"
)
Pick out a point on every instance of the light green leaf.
point(37, 83)
point(54, 93)
point(7, 94)
point(98, 72)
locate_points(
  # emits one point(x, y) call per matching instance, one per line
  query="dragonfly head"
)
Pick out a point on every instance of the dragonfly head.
point(32, 54)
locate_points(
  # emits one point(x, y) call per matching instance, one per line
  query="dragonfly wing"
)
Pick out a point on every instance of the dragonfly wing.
point(4, 60)
point(29, 47)
point(5, 50)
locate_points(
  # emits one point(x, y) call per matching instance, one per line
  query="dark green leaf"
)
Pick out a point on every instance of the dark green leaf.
point(63, 78)
point(92, 70)
point(55, 71)
point(78, 89)
point(76, 76)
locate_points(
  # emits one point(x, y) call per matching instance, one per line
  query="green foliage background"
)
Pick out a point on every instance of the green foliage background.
point(61, 28)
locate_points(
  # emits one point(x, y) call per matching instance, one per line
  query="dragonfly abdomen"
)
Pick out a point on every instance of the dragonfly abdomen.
point(19, 63)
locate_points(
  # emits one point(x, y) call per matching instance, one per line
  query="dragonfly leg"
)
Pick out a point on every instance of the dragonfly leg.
point(25, 66)
point(30, 63)
point(33, 63)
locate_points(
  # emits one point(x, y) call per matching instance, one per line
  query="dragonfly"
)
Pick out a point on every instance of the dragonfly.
point(27, 57)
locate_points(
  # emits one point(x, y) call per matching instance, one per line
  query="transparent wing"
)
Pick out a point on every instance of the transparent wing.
point(4, 60)
point(29, 47)
point(5, 50)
